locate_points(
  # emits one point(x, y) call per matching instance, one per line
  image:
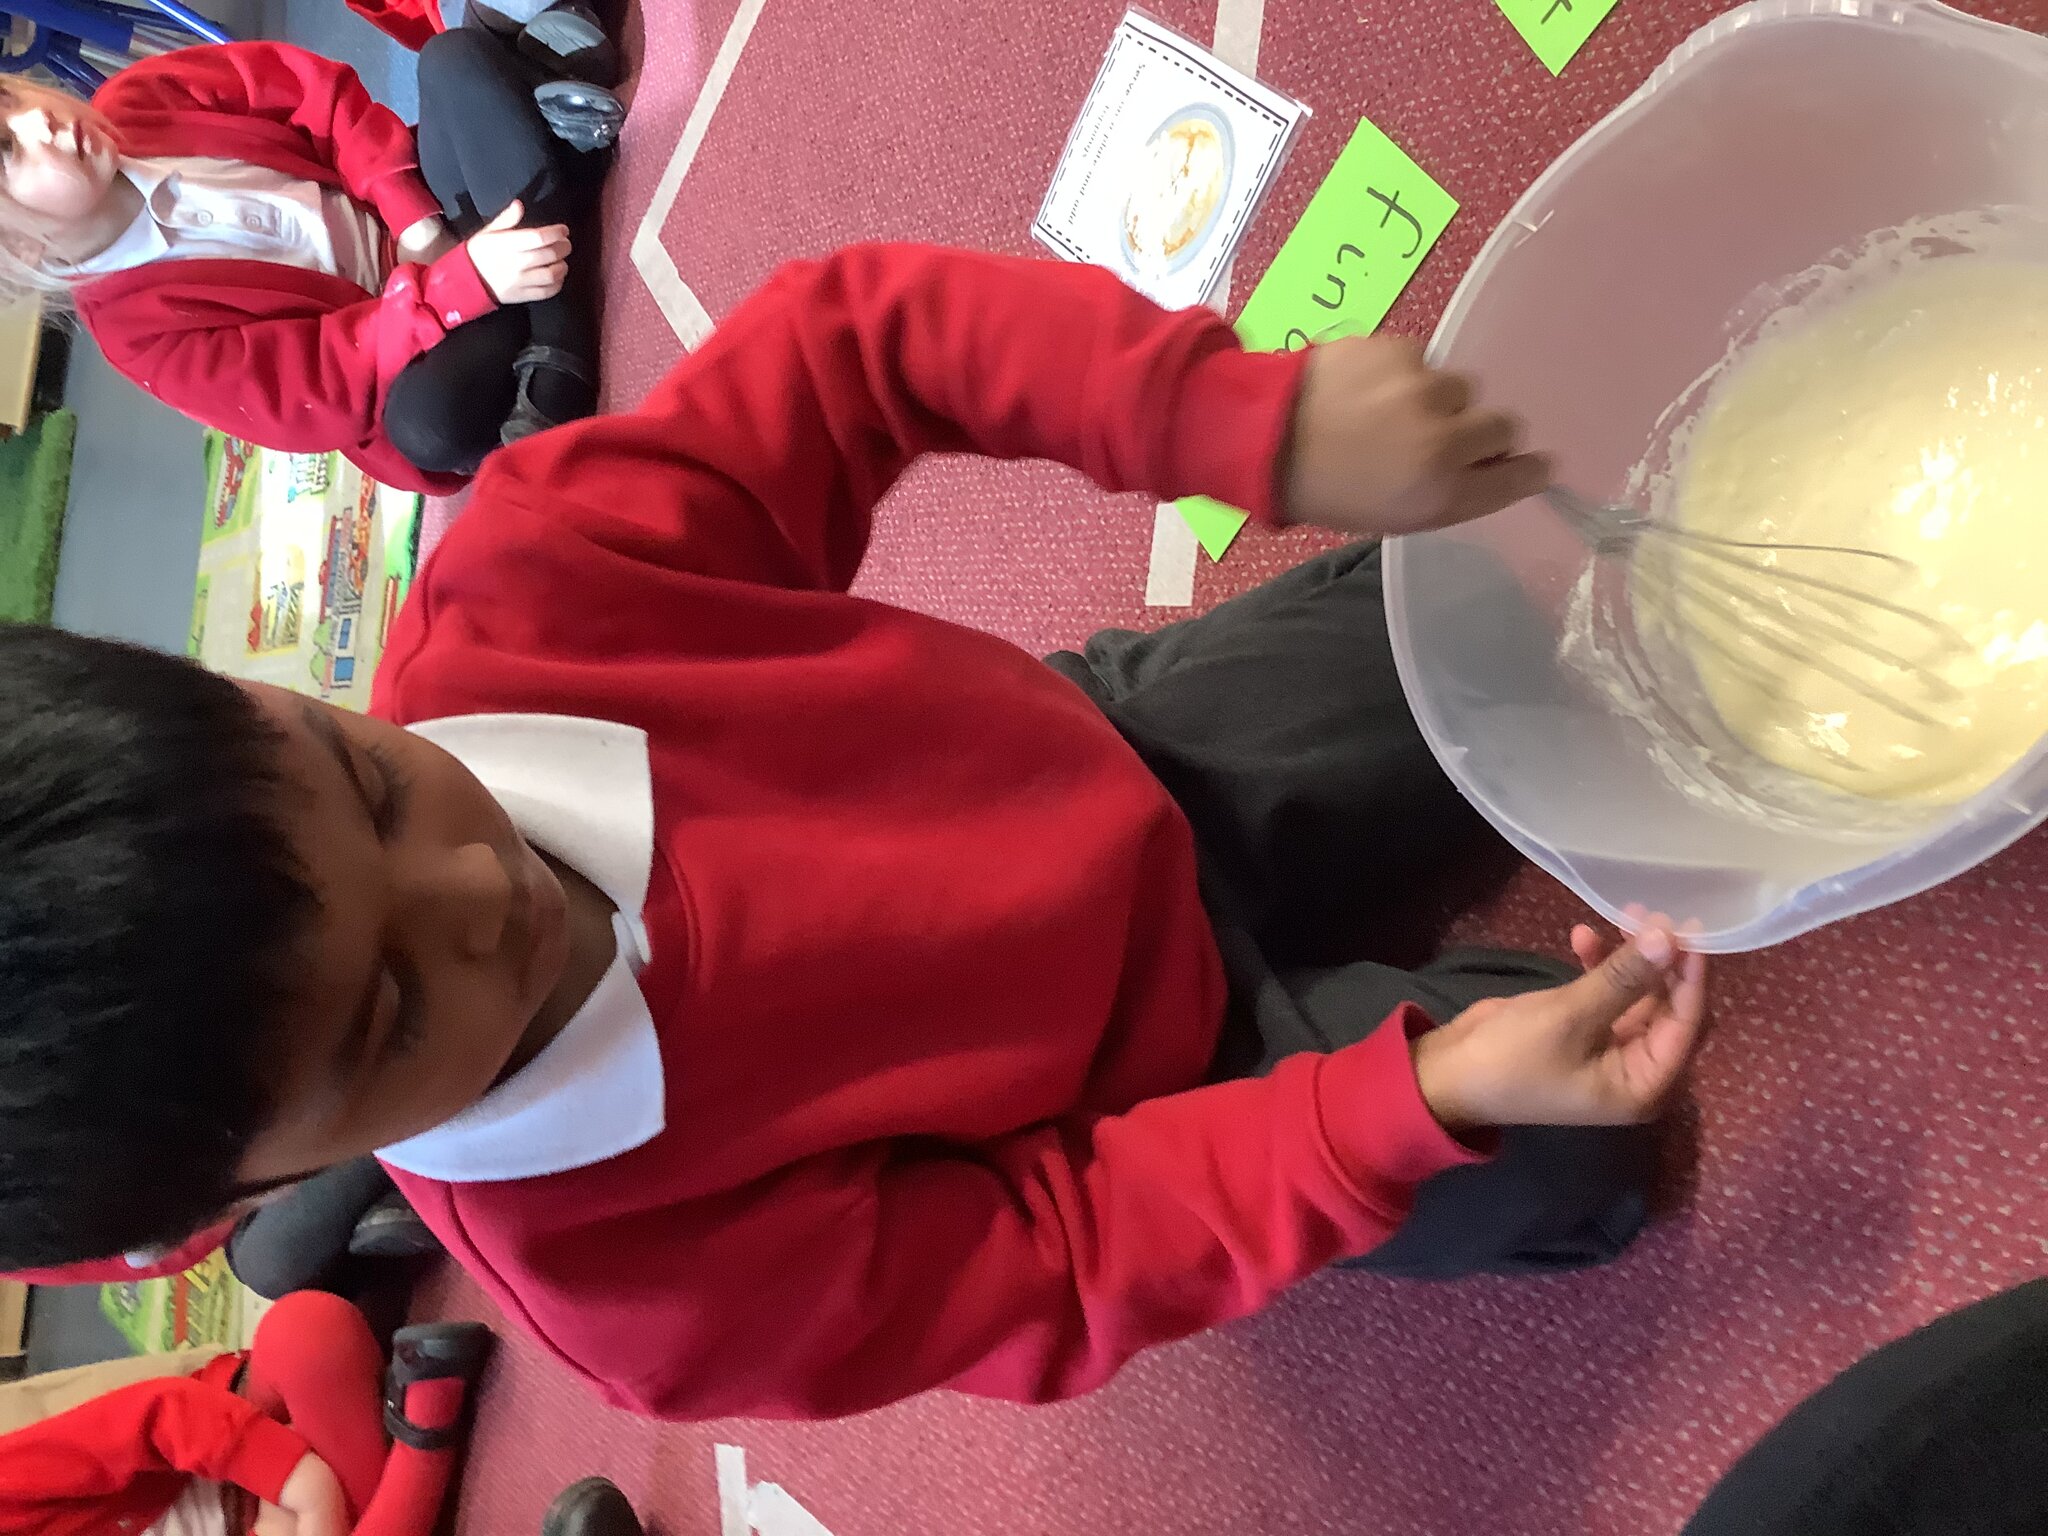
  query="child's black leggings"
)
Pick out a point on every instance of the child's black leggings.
point(1331, 844)
point(483, 143)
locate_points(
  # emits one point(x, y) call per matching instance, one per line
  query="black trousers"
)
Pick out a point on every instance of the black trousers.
point(1332, 845)
point(483, 143)
point(1941, 1433)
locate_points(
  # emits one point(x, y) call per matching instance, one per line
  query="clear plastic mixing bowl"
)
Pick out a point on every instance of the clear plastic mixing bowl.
point(1778, 138)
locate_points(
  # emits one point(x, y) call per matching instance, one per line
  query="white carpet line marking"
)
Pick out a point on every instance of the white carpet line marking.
point(1239, 25)
point(763, 1509)
point(686, 314)
point(1170, 573)
point(774, 1513)
point(732, 1490)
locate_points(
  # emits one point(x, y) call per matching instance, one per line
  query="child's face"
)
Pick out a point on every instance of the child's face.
point(56, 158)
point(440, 935)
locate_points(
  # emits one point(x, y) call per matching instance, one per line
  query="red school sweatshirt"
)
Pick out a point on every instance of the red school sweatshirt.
point(118, 1462)
point(935, 992)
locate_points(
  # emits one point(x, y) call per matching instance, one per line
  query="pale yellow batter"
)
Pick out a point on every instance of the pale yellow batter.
point(1911, 419)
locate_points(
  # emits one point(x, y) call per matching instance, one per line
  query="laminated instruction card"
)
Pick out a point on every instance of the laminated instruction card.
point(1166, 166)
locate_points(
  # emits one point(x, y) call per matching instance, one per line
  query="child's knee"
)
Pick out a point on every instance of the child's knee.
point(438, 430)
point(303, 1319)
point(458, 54)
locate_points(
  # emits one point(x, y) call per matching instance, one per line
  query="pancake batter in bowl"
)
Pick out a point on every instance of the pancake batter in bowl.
point(1912, 420)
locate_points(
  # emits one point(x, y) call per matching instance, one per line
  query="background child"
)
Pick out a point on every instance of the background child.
point(299, 1424)
point(783, 1002)
point(249, 238)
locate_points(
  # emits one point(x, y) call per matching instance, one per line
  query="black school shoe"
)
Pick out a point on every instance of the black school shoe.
point(392, 1229)
point(585, 117)
point(570, 43)
point(592, 1507)
point(433, 1352)
point(528, 418)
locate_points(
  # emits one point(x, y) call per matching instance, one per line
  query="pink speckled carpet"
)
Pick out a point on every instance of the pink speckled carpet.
point(1865, 1146)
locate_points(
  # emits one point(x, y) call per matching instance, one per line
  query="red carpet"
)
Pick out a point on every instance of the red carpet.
point(1866, 1146)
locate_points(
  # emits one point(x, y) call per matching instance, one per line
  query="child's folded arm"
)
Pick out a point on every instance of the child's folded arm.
point(762, 456)
point(177, 1424)
point(369, 147)
point(282, 366)
point(1030, 1267)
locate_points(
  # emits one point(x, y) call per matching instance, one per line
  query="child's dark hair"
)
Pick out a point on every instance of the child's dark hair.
point(149, 905)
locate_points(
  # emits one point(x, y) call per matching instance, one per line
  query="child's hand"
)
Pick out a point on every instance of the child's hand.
point(311, 1504)
point(520, 266)
point(1605, 1050)
point(1383, 445)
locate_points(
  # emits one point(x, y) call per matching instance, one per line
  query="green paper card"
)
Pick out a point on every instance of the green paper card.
point(1556, 29)
point(1363, 234)
point(1216, 524)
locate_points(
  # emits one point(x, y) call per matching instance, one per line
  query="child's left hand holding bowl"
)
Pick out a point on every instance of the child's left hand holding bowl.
point(1607, 1049)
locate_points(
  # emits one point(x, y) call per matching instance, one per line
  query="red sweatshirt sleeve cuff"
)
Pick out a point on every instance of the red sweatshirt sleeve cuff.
point(455, 291)
point(403, 200)
point(1236, 412)
point(1380, 1131)
point(264, 1458)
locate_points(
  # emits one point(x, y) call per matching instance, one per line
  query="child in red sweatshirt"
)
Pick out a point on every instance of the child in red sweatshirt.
point(254, 241)
point(782, 1002)
point(289, 1439)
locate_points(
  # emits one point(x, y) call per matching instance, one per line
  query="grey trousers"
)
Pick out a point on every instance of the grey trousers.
point(1332, 847)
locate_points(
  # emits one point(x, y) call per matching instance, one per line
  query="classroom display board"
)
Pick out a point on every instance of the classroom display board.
point(206, 1307)
point(303, 561)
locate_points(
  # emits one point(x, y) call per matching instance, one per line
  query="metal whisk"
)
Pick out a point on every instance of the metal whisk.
point(1778, 607)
